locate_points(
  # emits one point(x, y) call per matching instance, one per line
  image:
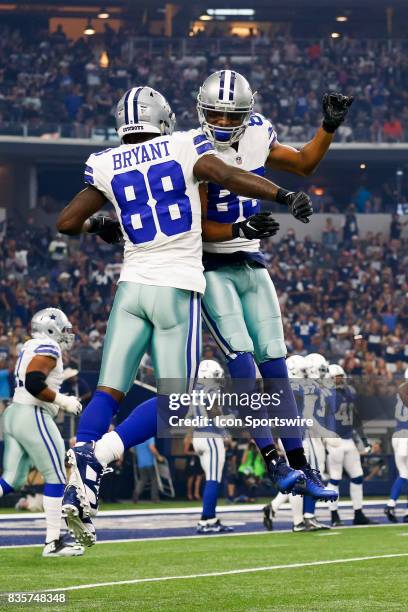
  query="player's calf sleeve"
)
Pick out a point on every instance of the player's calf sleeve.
point(210, 495)
point(52, 502)
point(356, 493)
point(334, 485)
point(140, 425)
point(97, 417)
point(297, 509)
point(5, 488)
point(276, 380)
point(309, 506)
point(242, 369)
point(396, 489)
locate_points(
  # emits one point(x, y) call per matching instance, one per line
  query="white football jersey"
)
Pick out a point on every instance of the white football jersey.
point(227, 207)
point(157, 202)
point(38, 346)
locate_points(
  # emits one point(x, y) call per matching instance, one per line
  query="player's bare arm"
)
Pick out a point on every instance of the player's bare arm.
point(305, 160)
point(76, 218)
point(35, 382)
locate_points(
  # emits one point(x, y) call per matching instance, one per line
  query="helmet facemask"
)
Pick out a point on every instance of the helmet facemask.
point(234, 122)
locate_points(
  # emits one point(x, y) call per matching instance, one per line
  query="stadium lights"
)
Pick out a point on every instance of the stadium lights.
point(231, 12)
point(335, 35)
point(205, 18)
point(103, 14)
point(89, 29)
point(363, 166)
point(341, 18)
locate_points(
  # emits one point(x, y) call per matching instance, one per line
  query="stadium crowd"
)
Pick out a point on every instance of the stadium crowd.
point(55, 86)
point(344, 297)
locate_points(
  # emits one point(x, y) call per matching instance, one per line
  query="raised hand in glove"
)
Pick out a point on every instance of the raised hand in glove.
point(261, 225)
point(335, 109)
point(105, 228)
point(69, 403)
point(298, 202)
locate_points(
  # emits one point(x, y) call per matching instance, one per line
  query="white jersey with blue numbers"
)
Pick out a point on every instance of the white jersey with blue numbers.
point(401, 415)
point(157, 202)
point(38, 346)
point(227, 207)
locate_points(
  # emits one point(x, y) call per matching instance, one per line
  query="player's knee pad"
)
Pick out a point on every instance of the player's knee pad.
point(334, 481)
point(357, 480)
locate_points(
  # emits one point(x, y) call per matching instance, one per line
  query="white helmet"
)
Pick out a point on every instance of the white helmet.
point(335, 370)
point(296, 366)
point(210, 369)
point(53, 323)
point(406, 373)
point(317, 366)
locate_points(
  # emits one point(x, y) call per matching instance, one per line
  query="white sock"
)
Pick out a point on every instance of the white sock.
point(109, 448)
point(52, 509)
point(356, 494)
point(391, 503)
point(1, 491)
point(297, 509)
point(335, 504)
point(308, 515)
point(280, 499)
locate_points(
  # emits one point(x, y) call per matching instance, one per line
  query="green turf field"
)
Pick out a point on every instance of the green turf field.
point(375, 584)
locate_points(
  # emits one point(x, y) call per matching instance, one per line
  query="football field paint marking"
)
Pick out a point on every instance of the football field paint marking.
point(247, 570)
point(329, 533)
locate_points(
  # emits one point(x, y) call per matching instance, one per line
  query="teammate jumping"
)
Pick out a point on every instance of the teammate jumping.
point(152, 179)
point(240, 304)
point(31, 437)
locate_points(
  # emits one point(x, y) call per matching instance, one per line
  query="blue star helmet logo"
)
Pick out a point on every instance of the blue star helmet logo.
point(53, 317)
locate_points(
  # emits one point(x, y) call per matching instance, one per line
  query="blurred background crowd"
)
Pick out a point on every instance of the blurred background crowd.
point(344, 297)
point(50, 85)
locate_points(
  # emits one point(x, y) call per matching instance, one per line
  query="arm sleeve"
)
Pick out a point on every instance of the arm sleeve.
point(202, 146)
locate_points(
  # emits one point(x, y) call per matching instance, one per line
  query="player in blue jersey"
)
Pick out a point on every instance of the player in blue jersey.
point(400, 447)
point(345, 456)
point(307, 376)
point(240, 304)
point(152, 179)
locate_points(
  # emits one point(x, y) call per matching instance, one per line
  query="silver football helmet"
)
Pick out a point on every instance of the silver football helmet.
point(209, 368)
point(144, 110)
point(317, 366)
point(53, 323)
point(337, 374)
point(226, 93)
point(296, 365)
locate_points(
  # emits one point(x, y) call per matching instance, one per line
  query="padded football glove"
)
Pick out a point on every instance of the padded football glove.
point(105, 228)
point(335, 109)
point(261, 225)
point(298, 202)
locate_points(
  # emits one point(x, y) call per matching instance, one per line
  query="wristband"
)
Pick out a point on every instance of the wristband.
point(282, 195)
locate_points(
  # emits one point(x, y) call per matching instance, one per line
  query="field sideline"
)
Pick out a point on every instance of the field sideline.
point(268, 571)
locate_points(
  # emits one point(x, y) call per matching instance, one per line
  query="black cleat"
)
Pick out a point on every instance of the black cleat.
point(268, 515)
point(300, 527)
point(361, 519)
point(389, 512)
point(335, 519)
point(405, 519)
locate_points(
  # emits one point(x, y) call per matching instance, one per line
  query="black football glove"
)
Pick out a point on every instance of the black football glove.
point(261, 225)
point(105, 228)
point(298, 202)
point(335, 109)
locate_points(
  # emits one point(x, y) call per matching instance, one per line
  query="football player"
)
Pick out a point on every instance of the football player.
point(345, 455)
point(240, 305)
point(31, 437)
point(400, 447)
point(208, 443)
point(152, 179)
point(309, 395)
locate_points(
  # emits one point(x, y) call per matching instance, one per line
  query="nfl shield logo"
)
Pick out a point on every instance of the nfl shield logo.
point(238, 159)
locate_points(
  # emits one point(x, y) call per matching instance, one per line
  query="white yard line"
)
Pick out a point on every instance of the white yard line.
point(186, 510)
point(247, 570)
